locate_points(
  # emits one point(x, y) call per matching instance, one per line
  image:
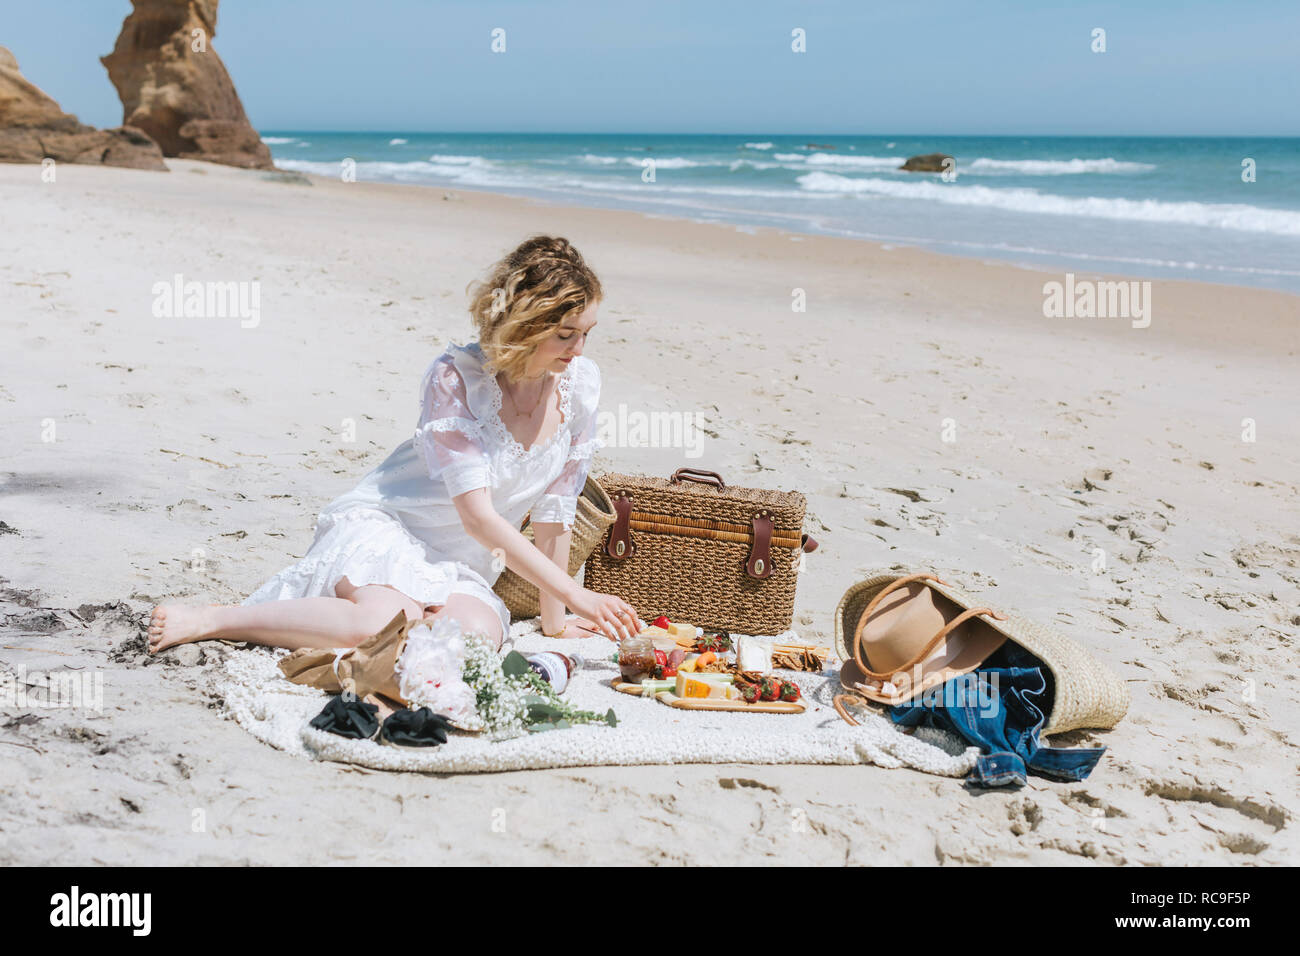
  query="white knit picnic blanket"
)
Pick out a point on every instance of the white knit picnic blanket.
point(277, 712)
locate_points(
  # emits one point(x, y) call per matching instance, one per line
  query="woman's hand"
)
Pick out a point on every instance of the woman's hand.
point(611, 615)
point(574, 628)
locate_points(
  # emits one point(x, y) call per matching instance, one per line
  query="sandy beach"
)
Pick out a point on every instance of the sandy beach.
point(1137, 487)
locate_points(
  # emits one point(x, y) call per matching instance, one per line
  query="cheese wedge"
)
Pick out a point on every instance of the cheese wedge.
point(704, 686)
point(682, 630)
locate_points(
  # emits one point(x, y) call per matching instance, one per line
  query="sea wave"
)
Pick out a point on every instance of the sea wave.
point(1235, 216)
point(1054, 167)
point(397, 142)
point(279, 140)
point(669, 162)
point(455, 160)
point(413, 171)
point(758, 146)
point(858, 162)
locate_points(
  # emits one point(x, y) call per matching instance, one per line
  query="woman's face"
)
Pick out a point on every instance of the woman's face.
point(564, 344)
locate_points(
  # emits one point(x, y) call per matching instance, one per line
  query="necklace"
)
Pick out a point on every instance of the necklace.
point(540, 395)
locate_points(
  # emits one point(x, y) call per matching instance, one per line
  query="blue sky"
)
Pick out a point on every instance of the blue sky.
point(724, 66)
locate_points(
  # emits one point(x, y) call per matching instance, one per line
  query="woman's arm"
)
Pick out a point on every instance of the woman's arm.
point(614, 616)
point(554, 541)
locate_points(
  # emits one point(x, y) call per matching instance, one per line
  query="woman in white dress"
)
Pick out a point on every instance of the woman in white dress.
point(507, 427)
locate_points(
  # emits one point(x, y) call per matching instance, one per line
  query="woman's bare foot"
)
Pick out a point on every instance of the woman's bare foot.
point(173, 624)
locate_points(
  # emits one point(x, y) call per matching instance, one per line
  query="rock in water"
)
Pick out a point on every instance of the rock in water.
point(929, 163)
point(34, 128)
point(173, 85)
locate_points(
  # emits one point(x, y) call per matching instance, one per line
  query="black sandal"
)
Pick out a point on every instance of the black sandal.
point(414, 728)
point(351, 718)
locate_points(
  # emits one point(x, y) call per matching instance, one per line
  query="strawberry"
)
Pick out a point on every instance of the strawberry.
point(669, 672)
point(661, 658)
point(789, 691)
point(748, 691)
point(713, 642)
point(769, 689)
point(661, 621)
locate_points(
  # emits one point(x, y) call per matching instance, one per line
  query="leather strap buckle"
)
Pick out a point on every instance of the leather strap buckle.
point(759, 564)
point(620, 545)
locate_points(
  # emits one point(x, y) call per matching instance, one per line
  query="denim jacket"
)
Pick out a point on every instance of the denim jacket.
point(998, 708)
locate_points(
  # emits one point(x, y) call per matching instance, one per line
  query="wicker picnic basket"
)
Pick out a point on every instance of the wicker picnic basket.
point(594, 514)
point(701, 551)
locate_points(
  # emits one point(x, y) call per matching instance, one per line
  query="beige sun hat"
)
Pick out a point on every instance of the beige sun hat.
point(899, 635)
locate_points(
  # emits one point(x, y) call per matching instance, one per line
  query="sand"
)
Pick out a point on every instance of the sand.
point(148, 459)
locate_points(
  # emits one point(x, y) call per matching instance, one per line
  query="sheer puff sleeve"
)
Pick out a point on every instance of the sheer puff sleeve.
point(448, 437)
point(559, 503)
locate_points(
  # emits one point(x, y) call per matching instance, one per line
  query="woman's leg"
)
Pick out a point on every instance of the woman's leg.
point(472, 615)
point(342, 621)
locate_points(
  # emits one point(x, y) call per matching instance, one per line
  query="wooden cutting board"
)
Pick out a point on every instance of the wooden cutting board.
point(713, 703)
point(623, 687)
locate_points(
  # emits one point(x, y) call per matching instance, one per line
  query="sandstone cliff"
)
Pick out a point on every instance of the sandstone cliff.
point(174, 86)
point(34, 128)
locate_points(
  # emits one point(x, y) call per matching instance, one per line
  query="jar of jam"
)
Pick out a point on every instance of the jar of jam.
point(636, 658)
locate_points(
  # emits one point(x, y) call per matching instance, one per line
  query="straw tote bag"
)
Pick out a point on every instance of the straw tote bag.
point(702, 552)
point(1086, 692)
point(595, 513)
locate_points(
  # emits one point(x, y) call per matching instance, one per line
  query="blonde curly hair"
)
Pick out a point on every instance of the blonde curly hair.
point(526, 296)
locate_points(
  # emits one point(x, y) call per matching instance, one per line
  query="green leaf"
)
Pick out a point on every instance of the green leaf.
point(544, 711)
point(610, 718)
point(515, 665)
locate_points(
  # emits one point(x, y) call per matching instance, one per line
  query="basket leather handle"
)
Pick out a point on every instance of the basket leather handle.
point(694, 474)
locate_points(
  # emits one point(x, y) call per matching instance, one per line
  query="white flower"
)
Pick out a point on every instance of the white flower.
point(430, 670)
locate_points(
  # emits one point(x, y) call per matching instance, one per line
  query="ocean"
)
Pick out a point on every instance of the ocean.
point(1213, 209)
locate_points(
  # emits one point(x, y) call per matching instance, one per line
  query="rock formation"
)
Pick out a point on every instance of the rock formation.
point(34, 128)
point(174, 86)
point(929, 163)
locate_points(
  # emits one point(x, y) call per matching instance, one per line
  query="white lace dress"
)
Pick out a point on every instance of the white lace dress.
point(399, 526)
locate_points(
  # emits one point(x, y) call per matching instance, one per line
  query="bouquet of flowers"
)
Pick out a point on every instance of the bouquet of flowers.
point(430, 673)
point(463, 678)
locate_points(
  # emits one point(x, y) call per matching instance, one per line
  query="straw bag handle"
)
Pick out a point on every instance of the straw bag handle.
point(934, 642)
point(691, 474)
point(839, 700)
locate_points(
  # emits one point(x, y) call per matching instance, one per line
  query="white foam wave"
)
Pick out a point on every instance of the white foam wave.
point(397, 142)
point(758, 146)
point(595, 160)
point(1235, 216)
point(1056, 167)
point(667, 162)
point(456, 160)
point(859, 162)
point(414, 171)
point(279, 140)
